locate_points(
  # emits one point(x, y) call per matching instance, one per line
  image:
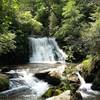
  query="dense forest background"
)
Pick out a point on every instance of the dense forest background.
point(74, 23)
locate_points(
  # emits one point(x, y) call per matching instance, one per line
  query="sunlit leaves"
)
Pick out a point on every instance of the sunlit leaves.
point(92, 34)
point(7, 42)
point(71, 20)
point(26, 18)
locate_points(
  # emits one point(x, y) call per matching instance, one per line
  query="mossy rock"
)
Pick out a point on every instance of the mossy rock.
point(4, 82)
point(87, 65)
point(57, 90)
point(52, 92)
point(48, 93)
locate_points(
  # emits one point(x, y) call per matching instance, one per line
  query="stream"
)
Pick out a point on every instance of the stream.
point(44, 54)
point(23, 84)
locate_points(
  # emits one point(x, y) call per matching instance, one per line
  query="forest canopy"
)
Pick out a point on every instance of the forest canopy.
point(74, 23)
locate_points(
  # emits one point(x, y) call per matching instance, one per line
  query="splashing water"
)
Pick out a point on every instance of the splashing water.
point(26, 82)
point(37, 87)
point(86, 91)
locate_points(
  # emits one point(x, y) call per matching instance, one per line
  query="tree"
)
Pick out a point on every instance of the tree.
point(92, 35)
point(71, 20)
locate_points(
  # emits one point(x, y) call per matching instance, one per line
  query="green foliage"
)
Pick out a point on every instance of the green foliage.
point(75, 49)
point(7, 42)
point(93, 36)
point(87, 65)
point(70, 69)
point(70, 23)
point(59, 18)
point(52, 92)
point(26, 18)
point(76, 53)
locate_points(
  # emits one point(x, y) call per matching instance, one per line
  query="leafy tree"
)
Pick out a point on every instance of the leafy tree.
point(26, 18)
point(93, 36)
point(7, 42)
point(70, 23)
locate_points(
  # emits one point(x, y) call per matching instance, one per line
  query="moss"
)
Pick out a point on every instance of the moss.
point(70, 69)
point(87, 65)
point(54, 91)
point(48, 93)
point(4, 82)
point(65, 85)
point(57, 92)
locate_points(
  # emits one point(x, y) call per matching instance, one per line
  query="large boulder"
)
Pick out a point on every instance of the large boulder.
point(52, 76)
point(73, 78)
point(52, 92)
point(4, 82)
point(64, 96)
point(47, 78)
point(57, 72)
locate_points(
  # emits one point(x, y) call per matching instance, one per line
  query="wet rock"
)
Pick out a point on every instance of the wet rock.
point(52, 76)
point(96, 82)
point(5, 69)
point(76, 96)
point(14, 91)
point(73, 78)
point(4, 82)
point(79, 67)
point(47, 78)
point(58, 72)
point(12, 74)
point(64, 96)
point(52, 92)
point(89, 78)
point(74, 81)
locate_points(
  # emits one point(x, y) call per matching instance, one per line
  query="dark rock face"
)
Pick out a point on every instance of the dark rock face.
point(47, 78)
point(76, 96)
point(4, 82)
point(5, 69)
point(96, 82)
point(90, 78)
point(94, 75)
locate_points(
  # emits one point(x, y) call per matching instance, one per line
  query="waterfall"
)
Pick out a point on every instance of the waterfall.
point(85, 90)
point(45, 50)
point(82, 81)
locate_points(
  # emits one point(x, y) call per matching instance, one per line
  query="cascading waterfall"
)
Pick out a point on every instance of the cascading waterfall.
point(26, 84)
point(86, 91)
point(45, 50)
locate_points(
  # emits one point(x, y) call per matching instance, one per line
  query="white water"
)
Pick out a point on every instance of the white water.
point(38, 87)
point(25, 82)
point(86, 91)
point(45, 50)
